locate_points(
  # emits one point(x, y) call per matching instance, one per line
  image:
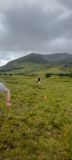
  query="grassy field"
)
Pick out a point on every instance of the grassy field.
point(38, 125)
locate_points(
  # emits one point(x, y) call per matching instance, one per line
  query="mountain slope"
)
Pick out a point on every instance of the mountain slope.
point(20, 62)
point(67, 68)
point(37, 60)
point(62, 58)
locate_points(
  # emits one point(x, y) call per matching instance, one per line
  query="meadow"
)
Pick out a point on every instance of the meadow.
point(38, 125)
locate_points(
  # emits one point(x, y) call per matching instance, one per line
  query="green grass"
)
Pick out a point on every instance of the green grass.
point(39, 123)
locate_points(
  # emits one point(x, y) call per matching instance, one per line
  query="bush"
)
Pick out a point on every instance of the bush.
point(48, 75)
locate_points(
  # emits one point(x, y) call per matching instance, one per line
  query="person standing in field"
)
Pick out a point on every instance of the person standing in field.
point(6, 91)
point(38, 80)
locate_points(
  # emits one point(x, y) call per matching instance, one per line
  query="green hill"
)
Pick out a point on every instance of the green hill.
point(35, 62)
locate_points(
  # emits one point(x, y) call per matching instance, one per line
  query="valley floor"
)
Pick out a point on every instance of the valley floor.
point(39, 123)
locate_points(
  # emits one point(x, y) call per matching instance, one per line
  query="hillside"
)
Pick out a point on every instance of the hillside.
point(34, 62)
point(23, 62)
point(68, 67)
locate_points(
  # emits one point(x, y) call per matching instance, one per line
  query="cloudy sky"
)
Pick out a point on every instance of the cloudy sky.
point(41, 26)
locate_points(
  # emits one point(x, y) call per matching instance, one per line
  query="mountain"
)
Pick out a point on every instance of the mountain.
point(18, 63)
point(34, 61)
point(59, 58)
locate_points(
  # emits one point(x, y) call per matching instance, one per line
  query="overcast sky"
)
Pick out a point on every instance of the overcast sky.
point(40, 26)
